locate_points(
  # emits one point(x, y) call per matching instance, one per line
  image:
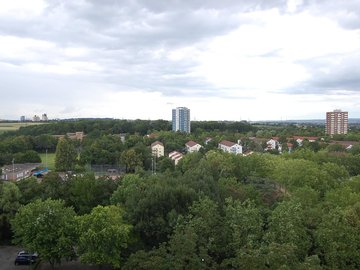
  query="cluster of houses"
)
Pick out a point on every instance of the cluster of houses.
point(158, 149)
point(17, 172)
point(274, 144)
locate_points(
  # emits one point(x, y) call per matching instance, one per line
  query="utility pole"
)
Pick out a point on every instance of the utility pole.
point(13, 160)
point(155, 165)
point(152, 165)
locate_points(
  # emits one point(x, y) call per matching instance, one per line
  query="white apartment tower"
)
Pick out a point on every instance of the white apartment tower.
point(181, 119)
point(44, 117)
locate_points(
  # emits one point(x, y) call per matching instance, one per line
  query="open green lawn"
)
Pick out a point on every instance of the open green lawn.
point(50, 160)
point(11, 126)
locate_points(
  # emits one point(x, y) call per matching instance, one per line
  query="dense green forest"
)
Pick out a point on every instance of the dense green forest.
point(214, 210)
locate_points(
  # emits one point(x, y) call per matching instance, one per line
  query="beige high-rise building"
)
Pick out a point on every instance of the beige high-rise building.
point(336, 122)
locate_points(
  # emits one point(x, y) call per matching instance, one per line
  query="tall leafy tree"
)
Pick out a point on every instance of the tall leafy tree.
point(103, 236)
point(185, 251)
point(286, 227)
point(131, 159)
point(153, 205)
point(156, 259)
point(85, 192)
point(65, 155)
point(245, 223)
point(30, 190)
point(338, 238)
point(47, 227)
point(29, 156)
point(9, 203)
point(53, 187)
point(197, 241)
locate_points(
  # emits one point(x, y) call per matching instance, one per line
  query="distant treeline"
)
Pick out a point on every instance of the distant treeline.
point(112, 126)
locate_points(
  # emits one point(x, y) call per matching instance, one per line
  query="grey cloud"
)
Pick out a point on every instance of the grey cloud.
point(243, 5)
point(151, 23)
point(68, 109)
point(126, 28)
point(345, 13)
point(122, 37)
point(333, 74)
point(342, 72)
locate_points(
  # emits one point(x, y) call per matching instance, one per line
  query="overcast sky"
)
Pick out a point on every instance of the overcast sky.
point(225, 60)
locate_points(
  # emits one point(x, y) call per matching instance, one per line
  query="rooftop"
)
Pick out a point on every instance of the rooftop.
point(227, 143)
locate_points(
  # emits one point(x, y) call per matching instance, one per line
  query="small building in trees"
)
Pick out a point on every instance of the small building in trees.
point(230, 147)
point(176, 156)
point(273, 144)
point(192, 146)
point(300, 139)
point(157, 149)
point(16, 172)
point(79, 135)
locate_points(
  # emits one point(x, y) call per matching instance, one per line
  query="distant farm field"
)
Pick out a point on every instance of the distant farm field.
point(49, 159)
point(11, 126)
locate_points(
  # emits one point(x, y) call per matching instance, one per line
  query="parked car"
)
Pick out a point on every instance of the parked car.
point(24, 257)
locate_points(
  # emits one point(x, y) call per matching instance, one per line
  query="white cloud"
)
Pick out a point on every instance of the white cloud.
point(292, 5)
point(21, 8)
point(13, 47)
point(66, 67)
point(248, 59)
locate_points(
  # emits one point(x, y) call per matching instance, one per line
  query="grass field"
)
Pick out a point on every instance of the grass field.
point(11, 126)
point(50, 160)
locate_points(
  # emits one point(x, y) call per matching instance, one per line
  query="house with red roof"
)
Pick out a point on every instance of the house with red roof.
point(273, 143)
point(157, 149)
point(230, 147)
point(192, 146)
point(300, 139)
point(175, 156)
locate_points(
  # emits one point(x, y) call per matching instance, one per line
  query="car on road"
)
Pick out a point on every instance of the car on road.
point(25, 258)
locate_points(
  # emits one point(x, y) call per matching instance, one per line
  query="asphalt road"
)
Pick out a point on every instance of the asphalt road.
point(7, 258)
point(8, 255)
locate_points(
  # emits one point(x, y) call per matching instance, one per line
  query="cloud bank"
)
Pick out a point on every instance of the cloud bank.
point(225, 60)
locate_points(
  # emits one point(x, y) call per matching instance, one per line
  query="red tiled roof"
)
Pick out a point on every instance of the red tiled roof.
point(304, 137)
point(227, 143)
point(191, 143)
point(344, 143)
point(151, 135)
point(156, 143)
point(175, 155)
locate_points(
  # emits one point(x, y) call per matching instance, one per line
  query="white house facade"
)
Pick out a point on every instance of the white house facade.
point(192, 146)
point(175, 156)
point(157, 149)
point(230, 147)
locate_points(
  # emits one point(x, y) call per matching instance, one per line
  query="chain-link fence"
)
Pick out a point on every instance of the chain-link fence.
point(106, 169)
